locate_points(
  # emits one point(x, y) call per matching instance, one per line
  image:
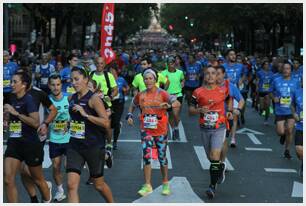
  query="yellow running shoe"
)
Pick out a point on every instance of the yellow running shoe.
point(145, 190)
point(166, 189)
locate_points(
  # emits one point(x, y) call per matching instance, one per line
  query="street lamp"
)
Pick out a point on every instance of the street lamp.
point(186, 17)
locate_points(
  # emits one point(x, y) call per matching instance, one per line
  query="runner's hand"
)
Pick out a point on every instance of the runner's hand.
point(229, 115)
point(130, 121)
point(10, 109)
point(165, 105)
point(42, 130)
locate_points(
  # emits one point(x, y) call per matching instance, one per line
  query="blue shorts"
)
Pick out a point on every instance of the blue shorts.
point(56, 149)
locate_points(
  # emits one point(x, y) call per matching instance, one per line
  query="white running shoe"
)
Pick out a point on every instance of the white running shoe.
point(59, 196)
point(50, 190)
point(233, 142)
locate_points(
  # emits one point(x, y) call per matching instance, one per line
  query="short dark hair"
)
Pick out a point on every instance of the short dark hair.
point(71, 56)
point(221, 67)
point(54, 76)
point(80, 70)
point(25, 78)
point(145, 58)
point(228, 51)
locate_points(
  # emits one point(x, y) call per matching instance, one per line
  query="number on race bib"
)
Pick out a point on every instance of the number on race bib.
point(210, 119)
point(285, 101)
point(44, 81)
point(15, 129)
point(77, 130)
point(60, 126)
point(70, 90)
point(150, 121)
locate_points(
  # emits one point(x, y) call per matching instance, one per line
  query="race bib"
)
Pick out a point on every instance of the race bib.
point(77, 130)
point(285, 101)
point(6, 83)
point(59, 126)
point(15, 129)
point(44, 81)
point(210, 119)
point(266, 86)
point(192, 77)
point(70, 90)
point(150, 121)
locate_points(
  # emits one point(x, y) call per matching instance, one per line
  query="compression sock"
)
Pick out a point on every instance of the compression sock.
point(214, 170)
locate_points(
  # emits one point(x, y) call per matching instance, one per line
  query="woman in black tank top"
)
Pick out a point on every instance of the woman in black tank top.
point(88, 121)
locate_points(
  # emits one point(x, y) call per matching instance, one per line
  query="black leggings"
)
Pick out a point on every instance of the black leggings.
point(117, 107)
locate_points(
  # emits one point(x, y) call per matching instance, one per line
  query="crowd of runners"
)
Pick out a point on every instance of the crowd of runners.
point(74, 101)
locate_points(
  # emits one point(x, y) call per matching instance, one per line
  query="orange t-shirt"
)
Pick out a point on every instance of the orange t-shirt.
point(213, 99)
point(153, 119)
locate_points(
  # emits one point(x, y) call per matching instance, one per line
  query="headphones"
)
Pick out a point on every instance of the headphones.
point(153, 70)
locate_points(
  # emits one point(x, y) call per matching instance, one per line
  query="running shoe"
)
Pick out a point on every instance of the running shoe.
point(89, 181)
point(263, 113)
point(233, 142)
point(166, 189)
point(210, 192)
point(282, 139)
point(115, 147)
point(49, 184)
point(59, 196)
point(109, 159)
point(222, 173)
point(287, 154)
point(145, 190)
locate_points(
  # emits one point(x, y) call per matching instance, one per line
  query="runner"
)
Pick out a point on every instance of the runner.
point(153, 103)
point(87, 142)
point(208, 101)
point(118, 104)
point(264, 81)
point(42, 73)
point(176, 79)
point(65, 73)
point(138, 84)
point(297, 111)
point(192, 77)
point(23, 144)
point(59, 135)
point(234, 72)
point(282, 91)
point(235, 94)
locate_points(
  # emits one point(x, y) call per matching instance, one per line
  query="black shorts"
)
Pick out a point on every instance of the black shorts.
point(263, 94)
point(56, 149)
point(94, 156)
point(283, 117)
point(32, 153)
point(180, 99)
point(299, 137)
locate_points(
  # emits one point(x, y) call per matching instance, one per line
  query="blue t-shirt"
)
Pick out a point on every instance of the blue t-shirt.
point(9, 70)
point(59, 132)
point(244, 87)
point(18, 129)
point(264, 80)
point(121, 83)
point(65, 75)
point(192, 74)
point(234, 72)
point(234, 92)
point(276, 76)
point(298, 101)
point(298, 74)
point(284, 90)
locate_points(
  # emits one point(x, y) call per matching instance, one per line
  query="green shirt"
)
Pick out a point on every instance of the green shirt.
point(175, 79)
point(100, 79)
point(138, 81)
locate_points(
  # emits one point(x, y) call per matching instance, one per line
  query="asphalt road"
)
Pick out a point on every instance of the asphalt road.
point(258, 173)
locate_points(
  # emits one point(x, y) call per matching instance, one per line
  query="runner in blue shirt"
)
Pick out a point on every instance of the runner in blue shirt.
point(192, 77)
point(297, 110)
point(42, 72)
point(66, 72)
point(9, 69)
point(297, 70)
point(283, 89)
point(234, 72)
point(264, 88)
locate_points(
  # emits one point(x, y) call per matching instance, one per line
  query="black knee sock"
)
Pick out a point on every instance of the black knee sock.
point(214, 171)
point(34, 199)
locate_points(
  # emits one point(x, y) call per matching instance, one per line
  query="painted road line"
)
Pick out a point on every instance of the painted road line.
point(205, 163)
point(253, 138)
point(247, 130)
point(258, 149)
point(297, 190)
point(47, 161)
point(280, 170)
point(181, 192)
point(155, 163)
point(249, 100)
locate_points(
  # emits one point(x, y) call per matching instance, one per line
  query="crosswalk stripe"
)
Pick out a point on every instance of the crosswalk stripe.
point(155, 163)
point(253, 138)
point(205, 163)
point(280, 170)
point(258, 149)
point(297, 190)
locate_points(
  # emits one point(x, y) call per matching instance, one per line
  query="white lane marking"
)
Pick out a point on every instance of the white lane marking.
point(297, 190)
point(47, 161)
point(139, 141)
point(181, 192)
point(280, 170)
point(247, 130)
point(155, 163)
point(204, 161)
point(253, 138)
point(249, 100)
point(258, 149)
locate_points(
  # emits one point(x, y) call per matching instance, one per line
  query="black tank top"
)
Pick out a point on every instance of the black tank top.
point(83, 132)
